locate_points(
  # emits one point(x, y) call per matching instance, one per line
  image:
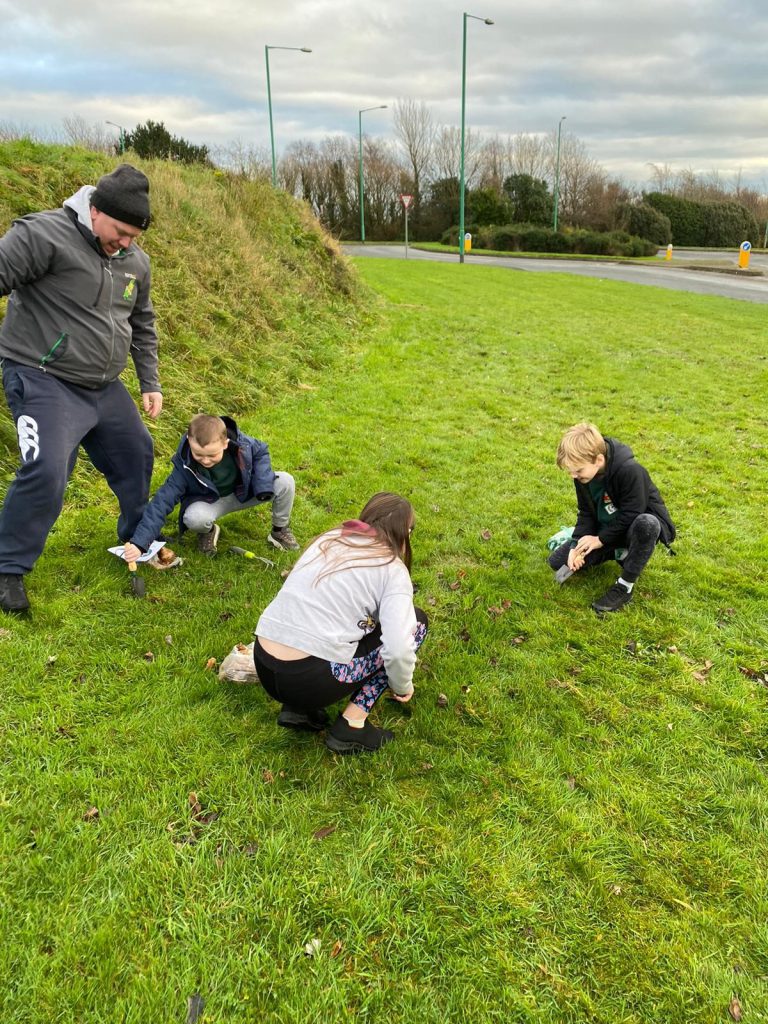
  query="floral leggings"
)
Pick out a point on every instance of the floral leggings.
point(369, 669)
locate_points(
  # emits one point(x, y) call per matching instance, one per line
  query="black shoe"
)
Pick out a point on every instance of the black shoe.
point(292, 718)
point(342, 738)
point(613, 599)
point(13, 596)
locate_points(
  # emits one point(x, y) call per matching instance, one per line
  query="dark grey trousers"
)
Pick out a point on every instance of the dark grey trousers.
point(53, 419)
point(642, 537)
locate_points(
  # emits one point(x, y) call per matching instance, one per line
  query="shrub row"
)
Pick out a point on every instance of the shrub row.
point(534, 238)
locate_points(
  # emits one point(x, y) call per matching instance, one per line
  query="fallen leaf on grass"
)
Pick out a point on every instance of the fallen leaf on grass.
point(734, 1009)
point(306, 387)
point(313, 947)
point(149, 656)
point(760, 675)
point(485, 535)
point(92, 814)
point(169, 639)
point(442, 700)
point(570, 783)
point(455, 585)
point(210, 665)
point(4, 633)
point(337, 948)
point(194, 804)
point(267, 776)
point(465, 636)
point(494, 611)
point(432, 601)
point(518, 639)
point(465, 688)
point(426, 766)
point(323, 833)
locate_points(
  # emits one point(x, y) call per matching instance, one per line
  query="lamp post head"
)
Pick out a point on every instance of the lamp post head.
point(305, 49)
point(488, 21)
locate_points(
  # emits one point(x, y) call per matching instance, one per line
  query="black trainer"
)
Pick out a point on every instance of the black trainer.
point(292, 718)
point(342, 738)
point(613, 599)
point(13, 596)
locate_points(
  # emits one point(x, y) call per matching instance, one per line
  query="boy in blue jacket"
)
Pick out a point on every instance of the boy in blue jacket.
point(217, 469)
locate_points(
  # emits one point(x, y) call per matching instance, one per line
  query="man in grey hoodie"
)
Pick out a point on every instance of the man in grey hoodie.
point(79, 305)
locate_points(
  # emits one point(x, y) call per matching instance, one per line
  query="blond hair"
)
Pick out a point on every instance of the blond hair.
point(204, 429)
point(580, 444)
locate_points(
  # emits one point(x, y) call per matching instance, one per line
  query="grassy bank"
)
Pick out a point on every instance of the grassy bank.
point(249, 291)
point(578, 835)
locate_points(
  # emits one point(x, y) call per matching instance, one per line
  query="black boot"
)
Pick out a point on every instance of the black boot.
point(13, 596)
point(613, 599)
point(293, 718)
point(342, 738)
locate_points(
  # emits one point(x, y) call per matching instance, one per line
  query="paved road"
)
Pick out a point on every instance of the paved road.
point(748, 289)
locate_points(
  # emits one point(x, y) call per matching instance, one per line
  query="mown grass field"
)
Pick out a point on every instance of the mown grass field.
point(578, 836)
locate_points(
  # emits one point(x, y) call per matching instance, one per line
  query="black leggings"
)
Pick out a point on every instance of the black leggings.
point(310, 683)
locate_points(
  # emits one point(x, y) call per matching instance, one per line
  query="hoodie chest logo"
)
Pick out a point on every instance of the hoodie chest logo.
point(608, 505)
point(128, 291)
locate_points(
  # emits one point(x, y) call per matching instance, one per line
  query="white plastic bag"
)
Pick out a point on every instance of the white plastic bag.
point(238, 665)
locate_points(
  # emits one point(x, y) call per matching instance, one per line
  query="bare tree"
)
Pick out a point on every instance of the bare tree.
point(89, 136)
point(246, 161)
point(447, 154)
point(530, 154)
point(663, 178)
point(415, 132)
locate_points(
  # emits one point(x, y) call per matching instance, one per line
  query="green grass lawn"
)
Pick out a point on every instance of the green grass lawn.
point(578, 836)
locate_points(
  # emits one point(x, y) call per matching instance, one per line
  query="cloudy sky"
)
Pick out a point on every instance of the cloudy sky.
point(679, 82)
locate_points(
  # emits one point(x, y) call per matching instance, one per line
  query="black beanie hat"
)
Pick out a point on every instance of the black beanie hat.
point(124, 195)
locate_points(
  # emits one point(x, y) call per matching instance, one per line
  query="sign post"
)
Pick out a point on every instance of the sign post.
point(744, 250)
point(406, 201)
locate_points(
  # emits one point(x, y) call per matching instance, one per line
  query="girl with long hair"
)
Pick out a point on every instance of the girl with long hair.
point(344, 626)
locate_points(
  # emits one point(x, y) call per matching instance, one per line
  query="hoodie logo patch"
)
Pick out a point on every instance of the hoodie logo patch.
point(129, 289)
point(367, 624)
point(608, 505)
point(29, 440)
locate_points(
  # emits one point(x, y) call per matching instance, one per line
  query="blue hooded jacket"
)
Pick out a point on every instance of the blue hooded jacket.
point(186, 484)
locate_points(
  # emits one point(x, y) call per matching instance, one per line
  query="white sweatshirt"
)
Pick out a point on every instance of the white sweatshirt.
point(328, 617)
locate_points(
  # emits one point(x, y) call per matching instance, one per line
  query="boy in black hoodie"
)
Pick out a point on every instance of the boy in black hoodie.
point(621, 514)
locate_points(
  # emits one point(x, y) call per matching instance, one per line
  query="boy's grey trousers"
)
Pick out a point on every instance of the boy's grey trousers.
point(201, 515)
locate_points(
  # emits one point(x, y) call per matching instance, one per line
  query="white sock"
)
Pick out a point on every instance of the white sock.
point(356, 724)
point(624, 583)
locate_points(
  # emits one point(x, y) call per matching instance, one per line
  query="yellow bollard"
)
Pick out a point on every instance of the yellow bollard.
point(744, 250)
point(467, 242)
point(669, 252)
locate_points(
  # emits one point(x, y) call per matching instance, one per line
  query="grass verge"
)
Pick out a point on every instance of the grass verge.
point(578, 835)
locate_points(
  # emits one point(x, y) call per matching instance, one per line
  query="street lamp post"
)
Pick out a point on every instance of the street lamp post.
point(122, 135)
point(382, 106)
point(299, 49)
point(486, 21)
point(557, 174)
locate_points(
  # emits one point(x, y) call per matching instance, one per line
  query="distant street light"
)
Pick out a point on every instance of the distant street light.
point(486, 21)
point(122, 135)
point(382, 106)
point(557, 174)
point(299, 49)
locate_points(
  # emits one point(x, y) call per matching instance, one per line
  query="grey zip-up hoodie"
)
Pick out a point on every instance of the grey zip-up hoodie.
point(73, 311)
